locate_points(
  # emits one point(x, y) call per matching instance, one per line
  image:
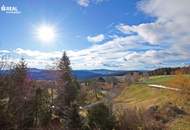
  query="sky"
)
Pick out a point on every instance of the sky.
point(97, 34)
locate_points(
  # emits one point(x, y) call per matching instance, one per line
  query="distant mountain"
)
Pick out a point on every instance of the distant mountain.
point(42, 74)
point(88, 74)
point(85, 74)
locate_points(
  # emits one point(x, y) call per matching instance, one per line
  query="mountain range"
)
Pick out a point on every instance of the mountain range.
point(41, 74)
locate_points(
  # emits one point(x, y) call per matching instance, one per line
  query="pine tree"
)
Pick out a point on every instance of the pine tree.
point(101, 118)
point(38, 109)
point(71, 117)
point(67, 90)
point(67, 95)
point(65, 69)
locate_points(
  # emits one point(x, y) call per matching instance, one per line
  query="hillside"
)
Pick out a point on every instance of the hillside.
point(140, 95)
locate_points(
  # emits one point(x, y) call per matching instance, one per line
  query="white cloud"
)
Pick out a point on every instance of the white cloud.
point(86, 3)
point(125, 28)
point(170, 34)
point(166, 10)
point(170, 29)
point(38, 54)
point(96, 39)
point(153, 33)
point(171, 24)
point(4, 51)
point(117, 53)
point(173, 17)
point(97, 56)
point(83, 3)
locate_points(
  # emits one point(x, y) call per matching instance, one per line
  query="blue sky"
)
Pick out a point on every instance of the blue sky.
point(108, 34)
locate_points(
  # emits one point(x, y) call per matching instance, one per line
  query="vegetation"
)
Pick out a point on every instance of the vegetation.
point(137, 119)
point(182, 82)
point(27, 104)
point(170, 71)
point(101, 117)
point(142, 96)
point(66, 102)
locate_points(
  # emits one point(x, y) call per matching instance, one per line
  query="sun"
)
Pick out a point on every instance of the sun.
point(46, 33)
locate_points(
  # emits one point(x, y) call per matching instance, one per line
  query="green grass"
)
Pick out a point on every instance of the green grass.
point(162, 80)
point(140, 95)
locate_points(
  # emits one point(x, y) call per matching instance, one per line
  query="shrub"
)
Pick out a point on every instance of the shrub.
point(137, 119)
point(100, 117)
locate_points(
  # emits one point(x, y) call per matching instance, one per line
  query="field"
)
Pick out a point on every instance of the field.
point(140, 95)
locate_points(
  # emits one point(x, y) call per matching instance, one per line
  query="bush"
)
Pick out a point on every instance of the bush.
point(137, 119)
point(182, 82)
point(100, 117)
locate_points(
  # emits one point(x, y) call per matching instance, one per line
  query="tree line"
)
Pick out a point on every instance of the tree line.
point(170, 70)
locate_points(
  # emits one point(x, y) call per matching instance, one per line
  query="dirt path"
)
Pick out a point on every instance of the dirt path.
point(163, 87)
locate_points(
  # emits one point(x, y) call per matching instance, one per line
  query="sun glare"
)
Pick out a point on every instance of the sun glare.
point(46, 33)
